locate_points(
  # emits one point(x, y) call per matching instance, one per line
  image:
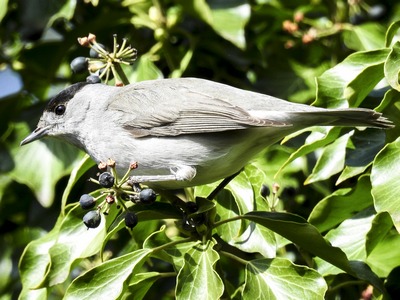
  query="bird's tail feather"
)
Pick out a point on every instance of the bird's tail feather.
point(355, 117)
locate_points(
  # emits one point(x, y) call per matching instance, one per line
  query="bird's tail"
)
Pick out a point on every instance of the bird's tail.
point(354, 117)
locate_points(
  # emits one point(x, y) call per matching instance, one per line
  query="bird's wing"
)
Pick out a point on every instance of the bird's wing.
point(171, 110)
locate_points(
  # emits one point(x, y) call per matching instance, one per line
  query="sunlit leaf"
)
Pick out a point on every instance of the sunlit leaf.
point(3, 8)
point(392, 67)
point(306, 236)
point(279, 278)
point(341, 205)
point(368, 36)
point(350, 81)
point(107, 280)
point(350, 236)
point(385, 178)
point(73, 241)
point(198, 278)
point(331, 160)
point(229, 20)
point(381, 239)
point(366, 144)
point(391, 33)
point(40, 166)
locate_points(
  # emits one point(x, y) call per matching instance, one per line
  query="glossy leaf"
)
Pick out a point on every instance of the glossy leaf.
point(77, 172)
point(230, 19)
point(341, 205)
point(350, 236)
point(279, 278)
point(381, 239)
point(392, 68)
point(109, 277)
point(331, 160)
point(141, 283)
point(391, 33)
point(74, 241)
point(198, 278)
point(306, 236)
point(318, 138)
point(350, 81)
point(365, 145)
point(385, 177)
point(368, 36)
point(41, 164)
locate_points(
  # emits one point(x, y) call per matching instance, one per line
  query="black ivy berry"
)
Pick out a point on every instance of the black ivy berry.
point(93, 79)
point(191, 207)
point(188, 225)
point(79, 64)
point(106, 180)
point(93, 53)
point(147, 196)
point(92, 219)
point(195, 219)
point(131, 220)
point(86, 201)
point(265, 191)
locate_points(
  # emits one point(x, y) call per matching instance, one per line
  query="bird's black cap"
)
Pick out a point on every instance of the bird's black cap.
point(65, 95)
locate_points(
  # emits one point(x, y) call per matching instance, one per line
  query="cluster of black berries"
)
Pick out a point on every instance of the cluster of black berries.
point(191, 217)
point(114, 191)
point(101, 63)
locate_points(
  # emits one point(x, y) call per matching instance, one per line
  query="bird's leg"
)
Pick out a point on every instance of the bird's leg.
point(181, 173)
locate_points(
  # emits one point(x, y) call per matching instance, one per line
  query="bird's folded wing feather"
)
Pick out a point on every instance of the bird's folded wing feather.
point(172, 111)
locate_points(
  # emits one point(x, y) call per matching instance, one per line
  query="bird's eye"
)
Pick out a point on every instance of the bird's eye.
point(59, 110)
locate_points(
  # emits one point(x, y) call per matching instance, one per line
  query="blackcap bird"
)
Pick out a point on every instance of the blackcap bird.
point(181, 132)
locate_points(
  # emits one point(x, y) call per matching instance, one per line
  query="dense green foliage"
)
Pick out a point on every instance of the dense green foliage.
point(328, 228)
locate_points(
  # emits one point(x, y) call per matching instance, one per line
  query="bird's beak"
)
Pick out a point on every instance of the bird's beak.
point(38, 133)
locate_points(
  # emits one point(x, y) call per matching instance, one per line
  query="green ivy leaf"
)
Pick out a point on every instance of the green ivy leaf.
point(107, 280)
point(66, 11)
point(351, 81)
point(306, 236)
point(366, 145)
point(279, 278)
point(198, 8)
point(319, 137)
point(244, 235)
point(141, 283)
point(198, 278)
point(350, 236)
point(230, 19)
point(368, 36)
point(3, 8)
point(177, 253)
point(73, 241)
point(381, 240)
point(331, 160)
point(77, 172)
point(385, 178)
point(392, 67)
point(41, 263)
point(42, 164)
point(144, 69)
point(391, 33)
point(341, 205)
